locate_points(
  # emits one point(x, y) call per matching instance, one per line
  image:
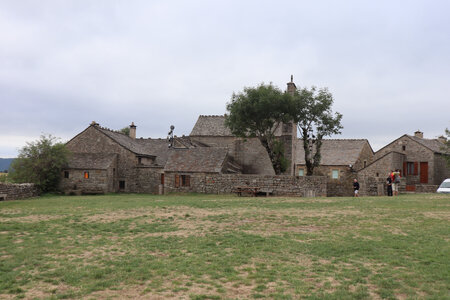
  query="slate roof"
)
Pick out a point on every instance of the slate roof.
point(196, 160)
point(91, 161)
point(335, 152)
point(124, 140)
point(210, 126)
point(432, 144)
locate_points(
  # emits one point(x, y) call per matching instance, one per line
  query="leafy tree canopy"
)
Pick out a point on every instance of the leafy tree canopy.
point(257, 112)
point(125, 130)
point(446, 147)
point(314, 117)
point(40, 162)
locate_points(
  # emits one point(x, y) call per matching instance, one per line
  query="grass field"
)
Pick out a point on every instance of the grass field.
point(225, 247)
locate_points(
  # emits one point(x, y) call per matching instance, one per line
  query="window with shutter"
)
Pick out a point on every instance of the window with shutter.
point(177, 180)
point(416, 168)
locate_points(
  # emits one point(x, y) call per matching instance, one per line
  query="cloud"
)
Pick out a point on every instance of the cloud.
point(157, 63)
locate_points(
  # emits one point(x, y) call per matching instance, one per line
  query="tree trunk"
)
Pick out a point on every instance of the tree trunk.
point(275, 162)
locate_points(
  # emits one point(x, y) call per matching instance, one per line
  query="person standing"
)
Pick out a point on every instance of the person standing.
point(396, 182)
point(356, 187)
point(389, 184)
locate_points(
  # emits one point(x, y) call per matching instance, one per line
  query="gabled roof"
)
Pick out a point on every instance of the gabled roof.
point(433, 144)
point(125, 141)
point(335, 152)
point(197, 160)
point(210, 126)
point(91, 161)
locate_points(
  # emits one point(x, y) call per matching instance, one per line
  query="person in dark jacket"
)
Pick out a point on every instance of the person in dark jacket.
point(389, 184)
point(356, 187)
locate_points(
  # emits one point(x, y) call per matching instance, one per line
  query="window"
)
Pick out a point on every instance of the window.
point(412, 168)
point(182, 180)
point(301, 172)
point(122, 184)
point(140, 161)
point(335, 174)
point(86, 175)
point(365, 163)
point(66, 174)
point(403, 148)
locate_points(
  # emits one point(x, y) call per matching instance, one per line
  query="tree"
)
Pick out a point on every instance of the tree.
point(40, 162)
point(446, 147)
point(257, 112)
point(315, 120)
point(125, 130)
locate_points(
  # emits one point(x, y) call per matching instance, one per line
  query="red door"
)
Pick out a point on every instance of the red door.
point(424, 172)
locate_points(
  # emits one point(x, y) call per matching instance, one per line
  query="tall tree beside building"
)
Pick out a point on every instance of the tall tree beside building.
point(40, 162)
point(446, 147)
point(315, 119)
point(257, 112)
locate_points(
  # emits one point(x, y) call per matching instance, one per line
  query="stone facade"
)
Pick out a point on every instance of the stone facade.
point(10, 191)
point(277, 185)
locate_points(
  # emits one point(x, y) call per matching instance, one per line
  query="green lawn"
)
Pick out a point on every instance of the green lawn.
point(225, 247)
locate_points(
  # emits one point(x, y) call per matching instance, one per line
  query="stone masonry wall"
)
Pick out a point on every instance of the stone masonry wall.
point(18, 191)
point(279, 185)
point(249, 153)
point(99, 182)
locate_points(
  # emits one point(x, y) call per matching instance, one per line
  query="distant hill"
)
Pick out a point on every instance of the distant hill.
point(4, 163)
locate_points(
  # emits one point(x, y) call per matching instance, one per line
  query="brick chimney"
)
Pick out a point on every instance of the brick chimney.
point(291, 88)
point(418, 134)
point(133, 131)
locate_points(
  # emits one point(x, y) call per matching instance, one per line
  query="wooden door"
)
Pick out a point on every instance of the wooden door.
point(423, 172)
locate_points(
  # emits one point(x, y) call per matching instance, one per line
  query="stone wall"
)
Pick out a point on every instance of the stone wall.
point(442, 170)
point(99, 181)
point(147, 180)
point(17, 191)
point(278, 185)
point(376, 186)
point(249, 153)
point(383, 165)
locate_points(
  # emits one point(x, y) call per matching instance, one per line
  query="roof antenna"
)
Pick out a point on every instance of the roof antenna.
point(170, 136)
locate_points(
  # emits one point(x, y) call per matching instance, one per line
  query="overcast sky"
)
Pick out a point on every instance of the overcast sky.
point(64, 64)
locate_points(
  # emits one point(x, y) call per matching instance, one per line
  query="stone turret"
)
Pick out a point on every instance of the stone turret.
point(291, 87)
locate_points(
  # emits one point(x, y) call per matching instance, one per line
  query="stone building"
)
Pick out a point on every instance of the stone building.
point(341, 159)
point(420, 161)
point(211, 159)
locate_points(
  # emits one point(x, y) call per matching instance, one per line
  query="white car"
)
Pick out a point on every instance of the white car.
point(444, 187)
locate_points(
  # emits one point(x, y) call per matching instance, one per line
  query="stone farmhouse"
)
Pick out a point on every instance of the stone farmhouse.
point(212, 160)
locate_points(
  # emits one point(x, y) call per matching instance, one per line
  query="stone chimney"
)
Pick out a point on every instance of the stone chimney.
point(291, 88)
point(418, 134)
point(93, 123)
point(442, 139)
point(133, 131)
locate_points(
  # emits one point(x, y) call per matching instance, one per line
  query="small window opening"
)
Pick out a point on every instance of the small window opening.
point(365, 163)
point(301, 172)
point(66, 174)
point(335, 174)
point(86, 175)
point(121, 184)
point(403, 147)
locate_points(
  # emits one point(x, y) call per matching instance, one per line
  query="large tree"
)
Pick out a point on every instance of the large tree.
point(257, 112)
point(314, 117)
point(40, 162)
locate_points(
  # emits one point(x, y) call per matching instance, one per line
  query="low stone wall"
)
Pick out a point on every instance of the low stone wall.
point(376, 186)
point(426, 188)
point(277, 185)
point(17, 191)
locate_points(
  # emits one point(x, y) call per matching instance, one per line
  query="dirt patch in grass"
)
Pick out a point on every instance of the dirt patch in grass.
point(30, 218)
point(438, 215)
